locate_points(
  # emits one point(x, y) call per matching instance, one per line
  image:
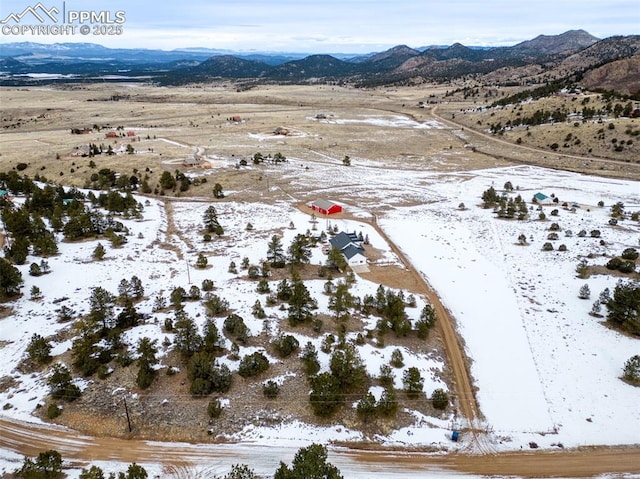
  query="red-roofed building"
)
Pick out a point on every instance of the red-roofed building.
point(325, 207)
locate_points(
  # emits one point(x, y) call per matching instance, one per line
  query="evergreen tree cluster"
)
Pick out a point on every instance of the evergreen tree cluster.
point(624, 307)
point(391, 307)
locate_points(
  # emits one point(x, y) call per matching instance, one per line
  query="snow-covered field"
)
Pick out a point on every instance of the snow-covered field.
point(541, 364)
point(545, 370)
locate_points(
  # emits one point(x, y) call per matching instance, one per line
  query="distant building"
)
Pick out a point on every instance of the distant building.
point(81, 131)
point(111, 134)
point(540, 197)
point(325, 207)
point(131, 133)
point(281, 131)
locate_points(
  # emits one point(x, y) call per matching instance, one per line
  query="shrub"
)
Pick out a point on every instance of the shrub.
point(630, 254)
point(397, 359)
point(547, 247)
point(39, 349)
point(235, 326)
point(253, 364)
point(631, 372)
point(270, 389)
point(440, 399)
point(285, 345)
point(627, 267)
point(53, 411)
point(214, 409)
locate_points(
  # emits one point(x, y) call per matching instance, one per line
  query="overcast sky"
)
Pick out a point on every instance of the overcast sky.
point(337, 26)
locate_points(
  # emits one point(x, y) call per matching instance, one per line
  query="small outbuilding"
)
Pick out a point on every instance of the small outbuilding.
point(540, 197)
point(325, 207)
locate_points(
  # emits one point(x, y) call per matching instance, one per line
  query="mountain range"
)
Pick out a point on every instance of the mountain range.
point(571, 54)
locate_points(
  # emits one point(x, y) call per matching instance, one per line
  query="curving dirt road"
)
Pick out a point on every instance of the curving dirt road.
point(457, 361)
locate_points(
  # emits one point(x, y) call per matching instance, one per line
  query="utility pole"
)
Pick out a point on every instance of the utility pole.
point(188, 273)
point(126, 410)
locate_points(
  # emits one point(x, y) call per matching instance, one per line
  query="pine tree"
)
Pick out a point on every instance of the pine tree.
point(202, 261)
point(275, 253)
point(258, 311)
point(211, 223)
point(309, 463)
point(413, 382)
point(39, 349)
point(631, 371)
point(36, 294)
point(439, 399)
point(101, 305)
point(147, 351)
point(585, 292)
point(299, 303)
point(347, 366)
point(309, 358)
point(366, 408)
point(61, 385)
point(341, 301)
point(299, 251)
point(388, 405)
point(10, 280)
point(187, 339)
point(325, 396)
point(212, 341)
point(336, 260)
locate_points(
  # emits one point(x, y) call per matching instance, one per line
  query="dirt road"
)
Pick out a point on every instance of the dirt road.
point(446, 324)
point(30, 439)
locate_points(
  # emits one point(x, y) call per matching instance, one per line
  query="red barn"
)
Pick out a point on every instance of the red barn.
point(111, 134)
point(325, 207)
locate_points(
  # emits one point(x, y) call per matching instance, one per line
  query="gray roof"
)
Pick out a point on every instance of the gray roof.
point(352, 250)
point(341, 241)
point(324, 204)
point(346, 244)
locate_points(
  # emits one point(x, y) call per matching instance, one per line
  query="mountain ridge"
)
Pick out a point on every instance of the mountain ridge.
point(572, 53)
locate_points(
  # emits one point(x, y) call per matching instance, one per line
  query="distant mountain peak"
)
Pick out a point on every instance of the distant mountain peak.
point(568, 42)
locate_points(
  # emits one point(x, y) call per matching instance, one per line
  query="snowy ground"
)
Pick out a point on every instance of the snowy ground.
point(546, 371)
point(541, 363)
